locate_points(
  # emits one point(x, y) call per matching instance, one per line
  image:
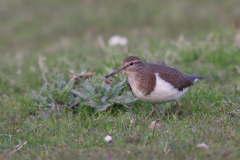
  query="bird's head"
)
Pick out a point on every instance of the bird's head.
point(129, 66)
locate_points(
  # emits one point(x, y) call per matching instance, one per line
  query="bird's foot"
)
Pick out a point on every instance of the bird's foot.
point(178, 108)
point(151, 113)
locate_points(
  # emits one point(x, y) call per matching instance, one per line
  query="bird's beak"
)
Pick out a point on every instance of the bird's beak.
point(115, 72)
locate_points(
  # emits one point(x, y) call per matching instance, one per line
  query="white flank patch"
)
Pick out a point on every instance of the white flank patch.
point(164, 92)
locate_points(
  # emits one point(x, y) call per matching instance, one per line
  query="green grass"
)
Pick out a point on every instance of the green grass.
point(67, 33)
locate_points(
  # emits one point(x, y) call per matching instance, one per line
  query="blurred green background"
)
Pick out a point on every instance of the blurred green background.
point(30, 25)
point(39, 36)
point(34, 25)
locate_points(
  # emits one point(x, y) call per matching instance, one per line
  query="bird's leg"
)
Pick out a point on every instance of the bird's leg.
point(153, 110)
point(178, 108)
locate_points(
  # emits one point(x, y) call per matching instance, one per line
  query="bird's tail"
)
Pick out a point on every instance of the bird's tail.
point(195, 78)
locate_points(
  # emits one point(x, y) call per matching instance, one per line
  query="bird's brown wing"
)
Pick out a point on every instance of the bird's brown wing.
point(172, 76)
point(146, 78)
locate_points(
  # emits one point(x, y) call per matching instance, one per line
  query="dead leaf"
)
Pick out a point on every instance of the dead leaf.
point(72, 105)
point(155, 125)
point(16, 120)
point(19, 146)
point(107, 81)
point(61, 104)
point(42, 125)
point(32, 117)
point(128, 151)
point(132, 122)
point(18, 131)
point(134, 138)
point(76, 76)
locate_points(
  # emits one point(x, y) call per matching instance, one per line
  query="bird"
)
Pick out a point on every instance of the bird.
point(154, 83)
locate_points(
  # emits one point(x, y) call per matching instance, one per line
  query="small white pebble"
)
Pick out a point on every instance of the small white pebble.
point(202, 146)
point(108, 138)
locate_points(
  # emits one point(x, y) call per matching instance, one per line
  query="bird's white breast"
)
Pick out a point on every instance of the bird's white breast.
point(162, 93)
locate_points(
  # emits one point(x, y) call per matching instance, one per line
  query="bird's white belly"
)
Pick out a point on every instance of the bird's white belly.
point(163, 92)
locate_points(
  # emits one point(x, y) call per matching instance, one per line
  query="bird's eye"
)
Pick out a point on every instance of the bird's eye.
point(131, 64)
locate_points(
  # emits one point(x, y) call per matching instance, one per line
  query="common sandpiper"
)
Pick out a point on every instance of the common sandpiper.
point(155, 83)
